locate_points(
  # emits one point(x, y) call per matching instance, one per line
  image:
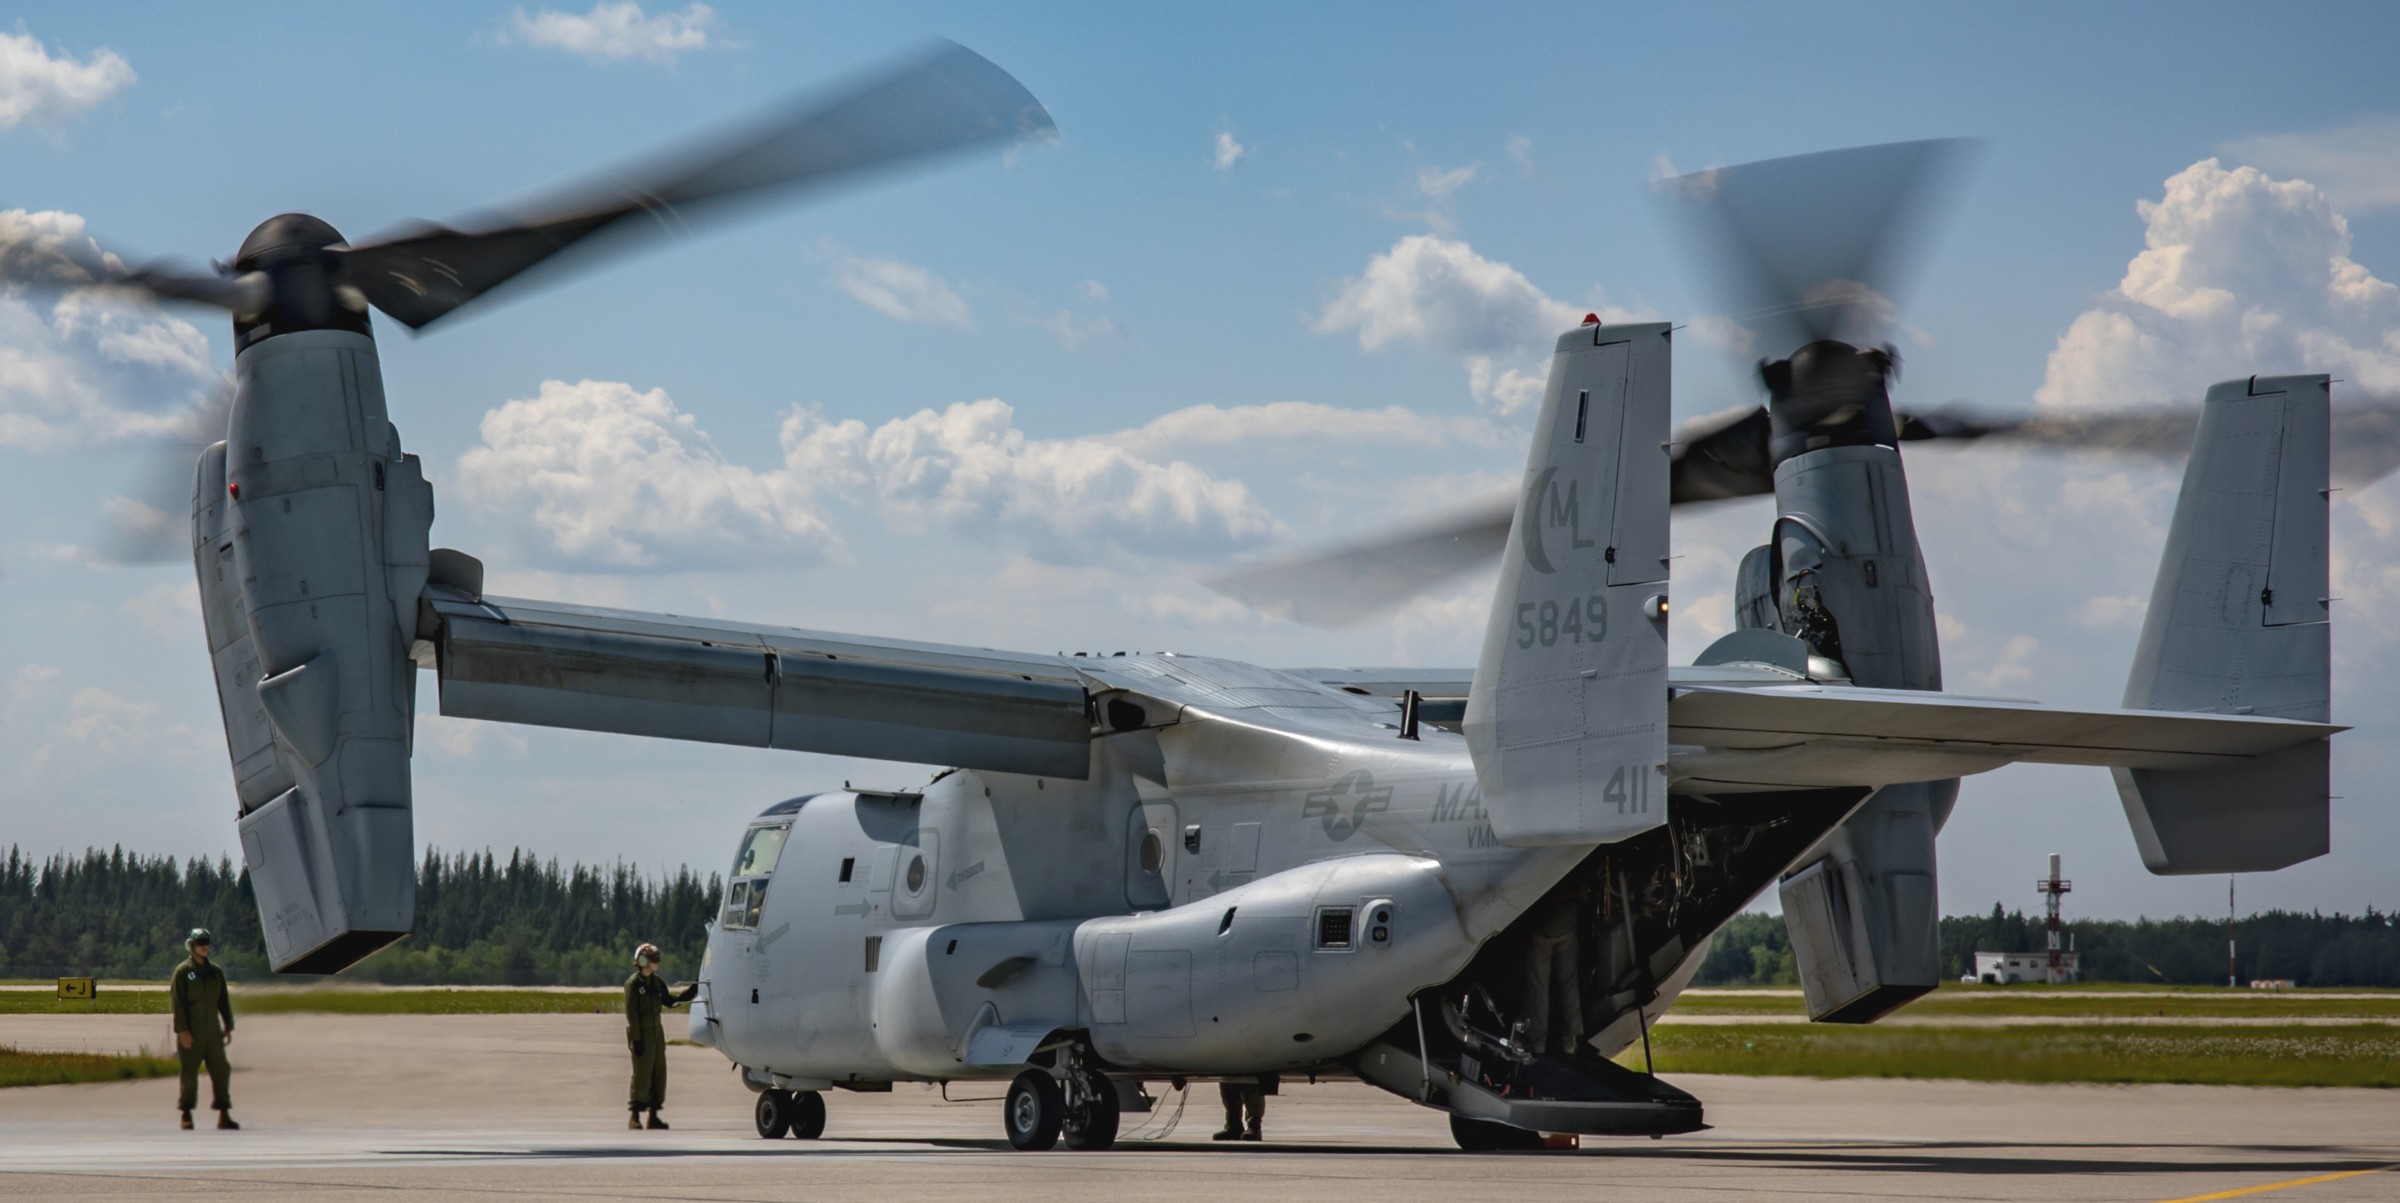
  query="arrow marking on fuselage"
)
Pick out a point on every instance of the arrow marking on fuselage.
point(963, 874)
point(851, 908)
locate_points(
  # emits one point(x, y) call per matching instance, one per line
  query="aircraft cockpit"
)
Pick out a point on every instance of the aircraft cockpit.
point(746, 888)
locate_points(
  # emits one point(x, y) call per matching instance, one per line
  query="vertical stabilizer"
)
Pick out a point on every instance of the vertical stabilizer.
point(1567, 717)
point(2238, 625)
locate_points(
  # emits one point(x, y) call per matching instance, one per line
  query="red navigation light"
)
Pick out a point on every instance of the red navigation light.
point(1591, 319)
point(233, 489)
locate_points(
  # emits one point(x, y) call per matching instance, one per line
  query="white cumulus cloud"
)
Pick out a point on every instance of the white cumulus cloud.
point(1304, 426)
point(968, 468)
point(600, 475)
point(1520, 152)
point(1440, 184)
point(2358, 165)
point(1438, 292)
point(614, 32)
point(38, 89)
point(1229, 151)
point(902, 291)
point(84, 367)
point(2240, 274)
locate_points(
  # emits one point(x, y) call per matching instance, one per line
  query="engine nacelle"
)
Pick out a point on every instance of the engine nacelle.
point(1288, 970)
point(310, 538)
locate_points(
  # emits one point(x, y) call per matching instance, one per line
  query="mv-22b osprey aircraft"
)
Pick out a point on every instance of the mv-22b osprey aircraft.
point(1471, 888)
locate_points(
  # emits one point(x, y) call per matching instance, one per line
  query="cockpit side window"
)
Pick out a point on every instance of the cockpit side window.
point(746, 892)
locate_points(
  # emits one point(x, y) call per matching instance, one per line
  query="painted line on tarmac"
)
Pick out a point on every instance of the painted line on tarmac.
point(2260, 1190)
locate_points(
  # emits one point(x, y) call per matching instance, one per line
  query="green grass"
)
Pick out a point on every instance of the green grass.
point(2360, 1055)
point(273, 1000)
point(21, 1068)
point(2074, 1004)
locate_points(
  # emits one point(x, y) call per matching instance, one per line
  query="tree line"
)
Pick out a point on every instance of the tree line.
point(481, 920)
point(523, 920)
point(2307, 948)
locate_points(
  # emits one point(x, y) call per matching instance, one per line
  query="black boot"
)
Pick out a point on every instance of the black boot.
point(656, 1124)
point(225, 1122)
point(187, 1119)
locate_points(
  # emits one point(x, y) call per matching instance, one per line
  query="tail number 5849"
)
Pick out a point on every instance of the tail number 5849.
point(1574, 621)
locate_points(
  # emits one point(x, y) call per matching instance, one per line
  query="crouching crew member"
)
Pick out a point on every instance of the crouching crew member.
point(646, 1001)
point(203, 1027)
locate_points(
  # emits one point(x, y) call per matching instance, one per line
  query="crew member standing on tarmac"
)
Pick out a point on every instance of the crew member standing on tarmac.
point(646, 1001)
point(1240, 1098)
point(203, 1027)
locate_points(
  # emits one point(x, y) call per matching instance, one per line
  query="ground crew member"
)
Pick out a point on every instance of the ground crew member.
point(203, 1027)
point(1240, 1098)
point(1554, 976)
point(646, 1001)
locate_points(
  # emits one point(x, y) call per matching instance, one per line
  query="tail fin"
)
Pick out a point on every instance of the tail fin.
point(1567, 718)
point(2238, 624)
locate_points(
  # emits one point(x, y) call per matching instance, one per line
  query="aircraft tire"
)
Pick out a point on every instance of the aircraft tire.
point(808, 1115)
point(1484, 1136)
point(1092, 1127)
point(773, 1113)
point(1034, 1111)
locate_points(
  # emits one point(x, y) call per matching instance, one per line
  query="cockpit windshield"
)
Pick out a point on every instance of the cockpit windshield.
point(759, 850)
point(746, 893)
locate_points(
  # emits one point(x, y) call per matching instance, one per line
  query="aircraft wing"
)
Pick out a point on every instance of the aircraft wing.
point(1781, 736)
point(1748, 727)
point(592, 669)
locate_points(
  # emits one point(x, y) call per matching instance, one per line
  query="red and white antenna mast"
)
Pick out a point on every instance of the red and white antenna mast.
point(2052, 889)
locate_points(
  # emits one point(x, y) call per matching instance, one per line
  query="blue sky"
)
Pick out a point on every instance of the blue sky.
point(1361, 216)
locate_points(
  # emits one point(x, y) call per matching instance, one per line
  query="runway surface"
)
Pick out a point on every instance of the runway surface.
point(470, 1107)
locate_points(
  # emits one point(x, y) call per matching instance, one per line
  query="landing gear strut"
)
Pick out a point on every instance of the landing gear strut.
point(1092, 1112)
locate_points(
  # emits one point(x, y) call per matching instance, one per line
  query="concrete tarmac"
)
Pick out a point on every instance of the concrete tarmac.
point(531, 1106)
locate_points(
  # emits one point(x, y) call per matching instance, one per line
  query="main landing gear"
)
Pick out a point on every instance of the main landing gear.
point(782, 1112)
point(1039, 1110)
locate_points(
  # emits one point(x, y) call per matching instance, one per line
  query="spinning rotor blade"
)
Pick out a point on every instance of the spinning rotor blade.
point(1811, 247)
point(1347, 584)
point(52, 261)
point(1716, 458)
point(2366, 434)
point(1721, 458)
point(947, 99)
point(150, 523)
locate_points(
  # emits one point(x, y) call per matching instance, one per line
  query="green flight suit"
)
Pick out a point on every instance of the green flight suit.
point(196, 994)
point(646, 1003)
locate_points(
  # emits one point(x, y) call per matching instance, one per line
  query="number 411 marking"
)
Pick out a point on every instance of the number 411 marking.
point(1629, 788)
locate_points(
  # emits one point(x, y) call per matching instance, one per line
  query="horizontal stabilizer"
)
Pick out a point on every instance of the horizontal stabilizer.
point(1869, 722)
